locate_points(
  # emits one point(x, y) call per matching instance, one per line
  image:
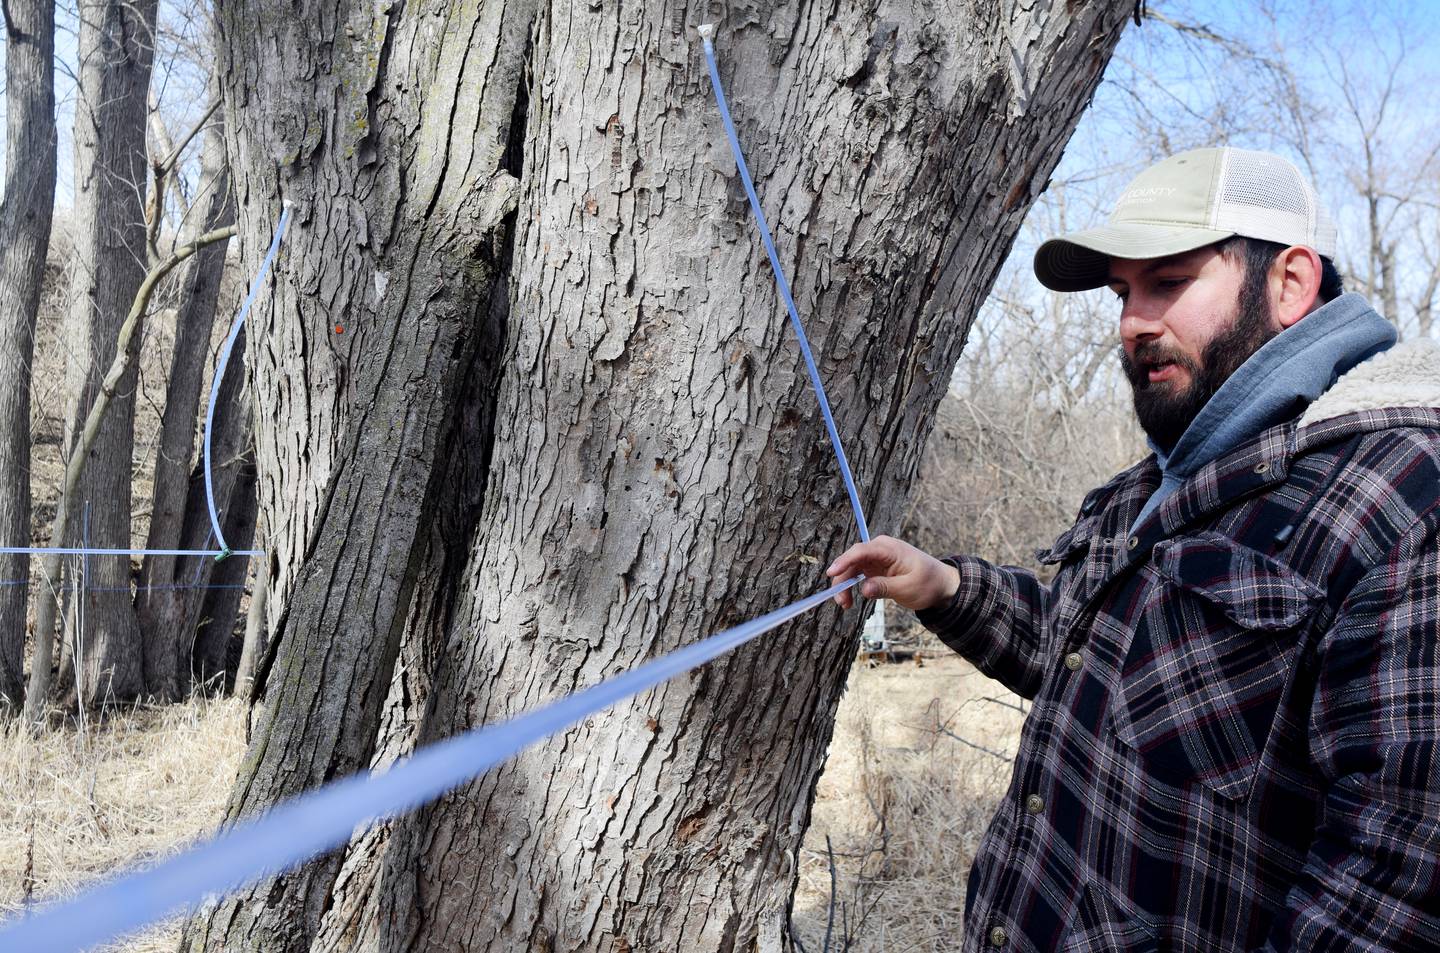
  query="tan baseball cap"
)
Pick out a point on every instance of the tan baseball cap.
point(1187, 201)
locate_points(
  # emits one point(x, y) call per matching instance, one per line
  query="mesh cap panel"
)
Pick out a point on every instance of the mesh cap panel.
point(1266, 197)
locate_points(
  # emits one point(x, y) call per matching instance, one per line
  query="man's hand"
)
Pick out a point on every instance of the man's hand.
point(895, 570)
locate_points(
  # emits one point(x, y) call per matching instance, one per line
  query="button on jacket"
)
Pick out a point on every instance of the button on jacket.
point(1235, 741)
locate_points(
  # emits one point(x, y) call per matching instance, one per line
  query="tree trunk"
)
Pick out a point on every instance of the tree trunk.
point(208, 615)
point(160, 603)
point(215, 658)
point(658, 470)
point(25, 210)
point(115, 52)
point(256, 633)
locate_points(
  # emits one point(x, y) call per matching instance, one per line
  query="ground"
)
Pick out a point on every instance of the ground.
point(89, 799)
point(917, 764)
point(919, 761)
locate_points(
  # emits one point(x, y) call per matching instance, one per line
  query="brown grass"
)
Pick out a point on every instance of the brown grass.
point(901, 807)
point(902, 803)
point(78, 803)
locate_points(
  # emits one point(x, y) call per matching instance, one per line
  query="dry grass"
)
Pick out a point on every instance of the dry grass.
point(80, 802)
point(901, 807)
point(902, 803)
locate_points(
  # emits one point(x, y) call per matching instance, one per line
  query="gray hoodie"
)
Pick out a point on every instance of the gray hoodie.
point(1274, 385)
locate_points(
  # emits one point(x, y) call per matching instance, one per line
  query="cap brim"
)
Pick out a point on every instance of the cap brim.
point(1081, 261)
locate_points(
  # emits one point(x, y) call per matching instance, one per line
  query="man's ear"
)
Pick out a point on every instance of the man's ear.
point(1294, 284)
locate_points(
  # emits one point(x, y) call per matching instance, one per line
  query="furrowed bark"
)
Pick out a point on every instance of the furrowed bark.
point(25, 211)
point(660, 472)
point(359, 360)
point(350, 922)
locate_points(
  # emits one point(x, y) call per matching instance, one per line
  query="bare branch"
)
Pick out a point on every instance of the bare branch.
point(38, 690)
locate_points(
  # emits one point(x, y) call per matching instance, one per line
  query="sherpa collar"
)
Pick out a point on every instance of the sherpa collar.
point(1406, 375)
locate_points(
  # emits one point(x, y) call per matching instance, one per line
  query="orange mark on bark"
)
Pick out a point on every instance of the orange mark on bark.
point(691, 826)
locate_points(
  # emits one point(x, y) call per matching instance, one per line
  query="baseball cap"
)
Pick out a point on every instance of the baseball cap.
point(1187, 201)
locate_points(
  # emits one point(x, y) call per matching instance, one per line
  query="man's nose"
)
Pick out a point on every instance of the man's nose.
point(1139, 323)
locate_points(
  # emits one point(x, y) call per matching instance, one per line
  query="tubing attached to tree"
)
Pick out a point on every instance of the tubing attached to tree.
point(220, 364)
point(295, 831)
point(706, 31)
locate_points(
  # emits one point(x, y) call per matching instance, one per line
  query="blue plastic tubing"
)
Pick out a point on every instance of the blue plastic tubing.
point(784, 286)
point(221, 363)
point(326, 818)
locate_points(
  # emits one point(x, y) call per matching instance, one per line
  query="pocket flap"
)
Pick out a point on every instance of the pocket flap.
point(1074, 540)
point(1255, 591)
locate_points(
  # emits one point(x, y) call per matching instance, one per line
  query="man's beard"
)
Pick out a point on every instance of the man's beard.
point(1165, 412)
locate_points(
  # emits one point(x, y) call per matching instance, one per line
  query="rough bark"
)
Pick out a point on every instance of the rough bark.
point(352, 919)
point(25, 210)
point(658, 470)
point(360, 358)
point(160, 603)
point(116, 48)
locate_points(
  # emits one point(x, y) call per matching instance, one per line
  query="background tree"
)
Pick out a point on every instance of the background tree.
point(116, 48)
point(166, 601)
point(541, 236)
point(25, 213)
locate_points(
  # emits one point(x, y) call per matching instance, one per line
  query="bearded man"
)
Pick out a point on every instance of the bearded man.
point(1236, 669)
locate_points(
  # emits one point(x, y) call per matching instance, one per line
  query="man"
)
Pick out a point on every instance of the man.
point(1236, 670)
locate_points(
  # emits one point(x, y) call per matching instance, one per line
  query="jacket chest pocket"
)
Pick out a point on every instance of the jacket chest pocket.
point(1071, 544)
point(1211, 654)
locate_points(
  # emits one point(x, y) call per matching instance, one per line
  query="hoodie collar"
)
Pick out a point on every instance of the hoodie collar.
point(1279, 380)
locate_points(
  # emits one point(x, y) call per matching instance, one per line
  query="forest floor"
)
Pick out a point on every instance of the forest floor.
point(86, 800)
point(901, 805)
point(918, 763)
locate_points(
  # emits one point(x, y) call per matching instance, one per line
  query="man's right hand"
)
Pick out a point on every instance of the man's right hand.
point(895, 570)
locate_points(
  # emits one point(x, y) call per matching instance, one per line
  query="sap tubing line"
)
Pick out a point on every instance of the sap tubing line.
point(326, 818)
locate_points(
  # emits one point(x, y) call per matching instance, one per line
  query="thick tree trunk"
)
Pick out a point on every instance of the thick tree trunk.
point(25, 212)
point(658, 468)
point(360, 360)
point(161, 603)
point(115, 52)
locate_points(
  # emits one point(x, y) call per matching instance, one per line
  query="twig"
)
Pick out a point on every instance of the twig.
point(830, 913)
point(1001, 701)
point(971, 744)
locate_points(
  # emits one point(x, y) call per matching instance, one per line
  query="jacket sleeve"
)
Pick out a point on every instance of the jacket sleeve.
point(1372, 877)
point(997, 620)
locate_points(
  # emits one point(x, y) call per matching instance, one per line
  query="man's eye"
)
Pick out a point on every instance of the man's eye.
point(1170, 284)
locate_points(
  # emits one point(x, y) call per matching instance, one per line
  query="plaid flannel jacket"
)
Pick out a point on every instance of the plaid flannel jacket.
point(1233, 744)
